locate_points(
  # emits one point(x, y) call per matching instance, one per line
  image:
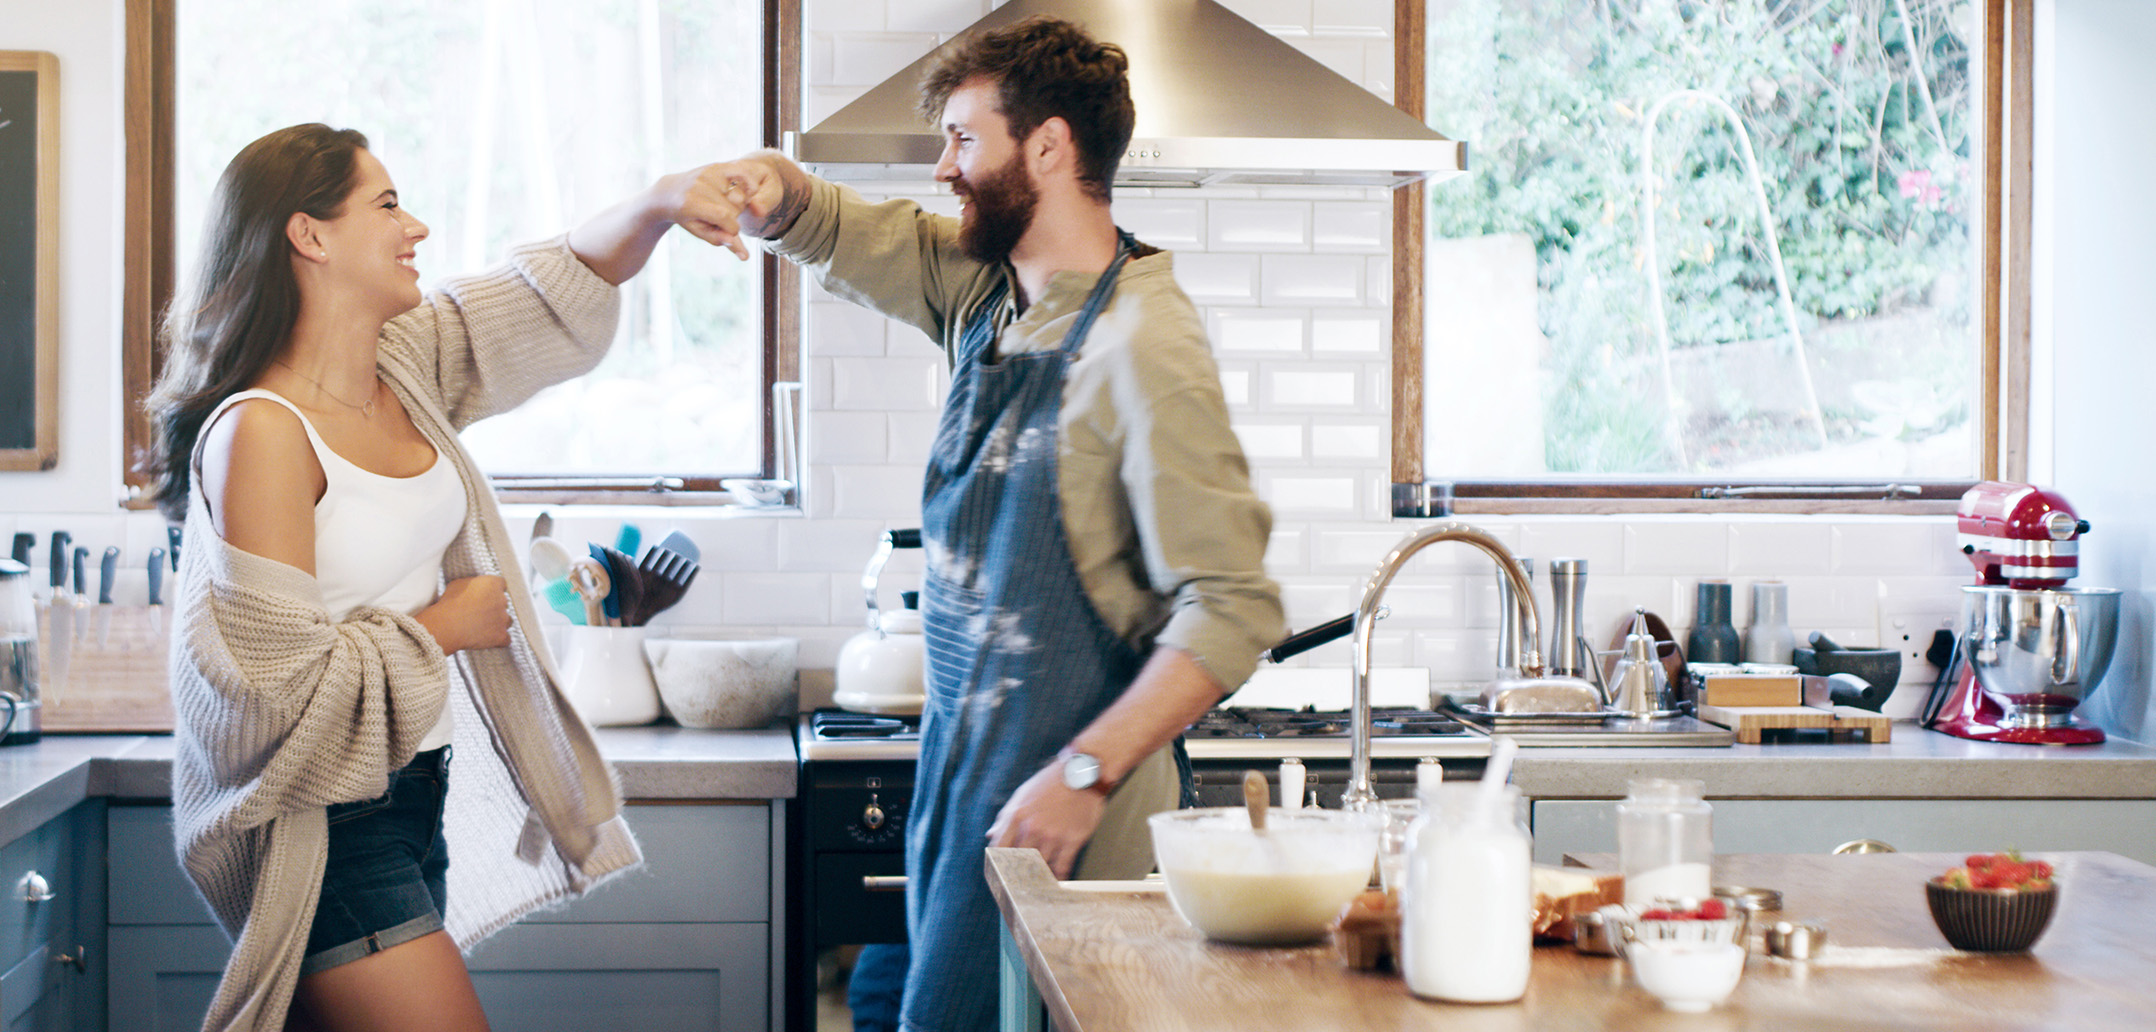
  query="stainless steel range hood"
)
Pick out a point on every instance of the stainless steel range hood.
point(1220, 101)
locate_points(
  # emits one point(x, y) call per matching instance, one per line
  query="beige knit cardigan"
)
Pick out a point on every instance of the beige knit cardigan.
point(281, 712)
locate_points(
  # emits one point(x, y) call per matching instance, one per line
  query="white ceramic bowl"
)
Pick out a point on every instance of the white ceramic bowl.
point(1686, 976)
point(1282, 886)
point(724, 684)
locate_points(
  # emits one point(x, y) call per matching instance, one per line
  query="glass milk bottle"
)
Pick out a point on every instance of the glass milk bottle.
point(1466, 915)
point(1665, 841)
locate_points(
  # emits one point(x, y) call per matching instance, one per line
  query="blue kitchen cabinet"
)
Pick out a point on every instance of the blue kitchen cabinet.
point(52, 921)
point(684, 943)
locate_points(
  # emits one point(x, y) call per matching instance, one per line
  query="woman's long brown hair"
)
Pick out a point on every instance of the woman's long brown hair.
point(231, 320)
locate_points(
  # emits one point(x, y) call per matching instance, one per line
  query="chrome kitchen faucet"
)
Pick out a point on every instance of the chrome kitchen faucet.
point(1359, 795)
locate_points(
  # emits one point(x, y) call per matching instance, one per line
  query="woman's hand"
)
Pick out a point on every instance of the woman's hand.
point(756, 196)
point(473, 613)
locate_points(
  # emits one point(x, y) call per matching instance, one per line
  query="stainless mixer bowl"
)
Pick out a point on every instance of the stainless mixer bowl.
point(2038, 651)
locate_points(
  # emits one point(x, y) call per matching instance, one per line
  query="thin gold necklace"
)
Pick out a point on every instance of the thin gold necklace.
point(365, 409)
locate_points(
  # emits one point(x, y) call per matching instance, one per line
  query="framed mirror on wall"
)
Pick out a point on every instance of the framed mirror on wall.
point(1738, 256)
point(29, 260)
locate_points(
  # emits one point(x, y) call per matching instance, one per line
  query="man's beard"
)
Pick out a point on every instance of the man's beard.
point(999, 209)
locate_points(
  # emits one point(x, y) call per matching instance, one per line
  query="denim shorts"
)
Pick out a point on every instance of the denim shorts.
point(387, 879)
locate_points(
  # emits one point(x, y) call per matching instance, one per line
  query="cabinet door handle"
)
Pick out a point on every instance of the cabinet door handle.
point(34, 888)
point(883, 882)
point(79, 960)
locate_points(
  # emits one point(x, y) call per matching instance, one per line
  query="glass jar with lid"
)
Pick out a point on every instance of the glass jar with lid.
point(1665, 841)
point(1461, 934)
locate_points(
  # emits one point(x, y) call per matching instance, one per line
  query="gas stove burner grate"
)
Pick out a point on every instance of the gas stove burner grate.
point(1253, 722)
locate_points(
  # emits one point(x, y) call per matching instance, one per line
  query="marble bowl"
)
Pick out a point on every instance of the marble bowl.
point(724, 684)
point(1991, 920)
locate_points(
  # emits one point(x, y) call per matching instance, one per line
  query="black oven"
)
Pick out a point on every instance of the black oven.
point(847, 825)
point(846, 848)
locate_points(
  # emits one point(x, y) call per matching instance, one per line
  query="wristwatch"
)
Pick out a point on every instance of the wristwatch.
point(1081, 773)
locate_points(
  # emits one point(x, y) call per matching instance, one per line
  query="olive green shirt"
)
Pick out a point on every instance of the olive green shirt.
point(1167, 534)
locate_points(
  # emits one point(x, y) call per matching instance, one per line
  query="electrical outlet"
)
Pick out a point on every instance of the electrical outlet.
point(1907, 620)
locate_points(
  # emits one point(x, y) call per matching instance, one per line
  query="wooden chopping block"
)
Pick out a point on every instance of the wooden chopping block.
point(1752, 690)
point(1841, 722)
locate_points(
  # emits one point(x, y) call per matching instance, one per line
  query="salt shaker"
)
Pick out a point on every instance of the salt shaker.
point(1462, 937)
point(1665, 841)
point(1769, 639)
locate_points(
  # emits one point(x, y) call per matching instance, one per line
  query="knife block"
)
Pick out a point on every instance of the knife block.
point(113, 676)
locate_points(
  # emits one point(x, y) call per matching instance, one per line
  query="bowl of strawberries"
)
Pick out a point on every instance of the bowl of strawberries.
point(1993, 902)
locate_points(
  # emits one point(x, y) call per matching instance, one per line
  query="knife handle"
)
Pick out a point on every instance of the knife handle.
point(60, 539)
point(157, 576)
point(108, 568)
point(172, 536)
point(24, 544)
point(82, 583)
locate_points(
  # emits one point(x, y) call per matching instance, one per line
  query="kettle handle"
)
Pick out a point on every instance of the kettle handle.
point(907, 537)
point(14, 706)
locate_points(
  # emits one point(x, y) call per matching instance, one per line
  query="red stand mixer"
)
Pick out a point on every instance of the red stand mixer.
point(2028, 649)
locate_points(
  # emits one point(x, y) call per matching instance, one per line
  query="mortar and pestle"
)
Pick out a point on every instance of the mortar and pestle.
point(1856, 677)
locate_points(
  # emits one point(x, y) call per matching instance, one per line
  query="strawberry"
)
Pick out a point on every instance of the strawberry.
point(1713, 910)
point(1999, 871)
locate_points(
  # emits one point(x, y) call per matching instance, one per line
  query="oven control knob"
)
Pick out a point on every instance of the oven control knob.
point(872, 816)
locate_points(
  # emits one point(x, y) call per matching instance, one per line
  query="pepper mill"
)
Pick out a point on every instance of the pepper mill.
point(1769, 639)
point(1713, 638)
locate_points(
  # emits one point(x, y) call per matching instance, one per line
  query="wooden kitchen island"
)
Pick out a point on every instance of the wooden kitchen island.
point(1121, 960)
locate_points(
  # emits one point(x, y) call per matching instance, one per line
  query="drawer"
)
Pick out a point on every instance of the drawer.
point(54, 853)
point(701, 864)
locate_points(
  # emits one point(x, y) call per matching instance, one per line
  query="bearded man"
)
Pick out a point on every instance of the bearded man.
point(1094, 574)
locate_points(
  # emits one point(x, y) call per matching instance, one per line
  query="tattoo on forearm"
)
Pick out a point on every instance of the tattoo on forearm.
point(792, 202)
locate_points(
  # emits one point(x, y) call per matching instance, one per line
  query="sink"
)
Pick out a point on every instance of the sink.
point(1580, 730)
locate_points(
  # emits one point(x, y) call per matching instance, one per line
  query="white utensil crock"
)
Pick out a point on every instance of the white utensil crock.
point(604, 673)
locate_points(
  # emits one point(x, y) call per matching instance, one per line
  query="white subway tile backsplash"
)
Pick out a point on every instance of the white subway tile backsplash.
point(755, 599)
point(1218, 279)
point(1696, 547)
point(1348, 441)
point(847, 437)
point(1900, 547)
point(1284, 551)
point(1456, 657)
point(1239, 329)
point(821, 17)
point(1308, 494)
point(1780, 548)
point(1334, 333)
point(876, 493)
point(1306, 386)
point(1358, 226)
point(1350, 551)
point(1261, 225)
point(867, 58)
point(938, 16)
point(1353, 18)
point(1175, 223)
point(842, 329)
point(886, 384)
point(912, 437)
point(1270, 441)
point(1600, 542)
point(1380, 69)
point(1279, 17)
point(1295, 279)
point(736, 545)
point(835, 546)
point(1235, 382)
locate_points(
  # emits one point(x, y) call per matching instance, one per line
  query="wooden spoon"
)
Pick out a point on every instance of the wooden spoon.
point(1256, 796)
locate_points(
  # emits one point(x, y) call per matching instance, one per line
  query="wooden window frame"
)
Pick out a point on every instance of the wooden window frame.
point(147, 264)
point(2009, 158)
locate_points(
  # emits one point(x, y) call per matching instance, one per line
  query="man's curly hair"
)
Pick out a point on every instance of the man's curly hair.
point(1046, 68)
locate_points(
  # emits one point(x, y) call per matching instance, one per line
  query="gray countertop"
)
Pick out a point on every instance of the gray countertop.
point(40, 781)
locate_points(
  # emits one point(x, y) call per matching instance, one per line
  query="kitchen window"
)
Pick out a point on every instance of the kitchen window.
point(1712, 255)
point(506, 121)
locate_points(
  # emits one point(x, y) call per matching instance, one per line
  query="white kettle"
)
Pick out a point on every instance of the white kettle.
point(883, 669)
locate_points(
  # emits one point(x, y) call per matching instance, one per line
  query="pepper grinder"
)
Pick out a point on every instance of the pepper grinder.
point(1769, 639)
point(1713, 638)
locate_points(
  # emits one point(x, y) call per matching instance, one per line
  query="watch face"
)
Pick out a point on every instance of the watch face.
point(1080, 772)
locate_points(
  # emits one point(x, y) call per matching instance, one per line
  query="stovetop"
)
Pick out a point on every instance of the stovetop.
point(1233, 733)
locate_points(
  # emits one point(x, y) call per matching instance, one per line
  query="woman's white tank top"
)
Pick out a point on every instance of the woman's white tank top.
point(378, 540)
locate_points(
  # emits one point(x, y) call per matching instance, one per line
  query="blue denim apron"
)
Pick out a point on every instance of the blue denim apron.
point(1018, 659)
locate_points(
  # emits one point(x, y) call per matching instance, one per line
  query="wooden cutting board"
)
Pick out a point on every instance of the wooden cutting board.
point(1841, 723)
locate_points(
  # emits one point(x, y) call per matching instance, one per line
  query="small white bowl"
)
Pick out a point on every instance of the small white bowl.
point(1686, 976)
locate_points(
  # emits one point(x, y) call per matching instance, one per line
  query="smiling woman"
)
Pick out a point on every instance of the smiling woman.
point(505, 119)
